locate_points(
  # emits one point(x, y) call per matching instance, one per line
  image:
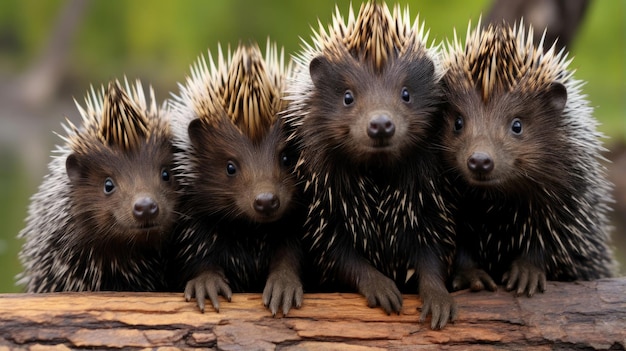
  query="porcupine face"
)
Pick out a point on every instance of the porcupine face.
point(244, 179)
point(363, 115)
point(125, 196)
point(511, 141)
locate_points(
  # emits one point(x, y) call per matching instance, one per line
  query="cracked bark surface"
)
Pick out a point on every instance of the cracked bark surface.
point(581, 315)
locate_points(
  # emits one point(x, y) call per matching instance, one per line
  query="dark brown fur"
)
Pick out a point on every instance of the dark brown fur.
point(244, 248)
point(261, 167)
point(537, 153)
point(240, 231)
point(522, 148)
point(103, 212)
point(377, 224)
point(344, 130)
point(136, 174)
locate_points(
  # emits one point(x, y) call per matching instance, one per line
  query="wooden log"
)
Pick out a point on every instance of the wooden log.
point(581, 315)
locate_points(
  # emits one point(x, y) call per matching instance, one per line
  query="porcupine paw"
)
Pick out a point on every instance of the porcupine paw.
point(283, 287)
point(381, 291)
point(210, 283)
point(440, 304)
point(525, 277)
point(475, 279)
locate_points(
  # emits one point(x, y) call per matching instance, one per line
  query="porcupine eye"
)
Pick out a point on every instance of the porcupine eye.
point(348, 98)
point(406, 97)
point(285, 160)
point(109, 186)
point(458, 124)
point(516, 126)
point(165, 175)
point(231, 169)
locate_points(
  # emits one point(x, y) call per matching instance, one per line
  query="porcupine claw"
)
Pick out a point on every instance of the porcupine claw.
point(439, 303)
point(211, 283)
point(381, 291)
point(525, 276)
point(475, 279)
point(435, 297)
point(283, 285)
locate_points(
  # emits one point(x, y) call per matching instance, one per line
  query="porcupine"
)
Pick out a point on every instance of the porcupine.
point(362, 111)
point(101, 214)
point(240, 228)
point(522, 143)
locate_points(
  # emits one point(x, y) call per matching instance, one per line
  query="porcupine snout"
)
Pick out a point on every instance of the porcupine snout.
point(145, 208)
point(480, 163)
point(266, 203)
point(381, 126)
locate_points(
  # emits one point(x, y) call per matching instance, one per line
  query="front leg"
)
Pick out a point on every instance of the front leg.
point(378, 289)
point(468, 275)
point(525, 276)
point(435, 297)
point(211, 282)
point(283, 286)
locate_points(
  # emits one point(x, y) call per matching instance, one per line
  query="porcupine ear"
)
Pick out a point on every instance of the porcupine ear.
point(75, 170)
point(196, 131)
point(557, 95)
point(320, 69)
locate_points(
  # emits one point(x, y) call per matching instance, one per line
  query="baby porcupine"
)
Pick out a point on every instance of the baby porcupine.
point(522, 144)
point(101, 214)
point(240, 230)
point(362, 110)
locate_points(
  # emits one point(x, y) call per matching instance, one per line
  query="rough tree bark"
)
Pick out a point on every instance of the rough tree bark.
point(584, 315)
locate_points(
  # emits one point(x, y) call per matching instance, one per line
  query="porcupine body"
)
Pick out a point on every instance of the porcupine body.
point(240, 228)
point(362, 111)
point(101, 214)
point(522, 145)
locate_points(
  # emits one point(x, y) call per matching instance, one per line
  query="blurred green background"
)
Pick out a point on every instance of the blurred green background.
point(41, 73)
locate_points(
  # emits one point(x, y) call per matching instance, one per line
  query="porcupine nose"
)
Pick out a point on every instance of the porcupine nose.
point(145, 208)
point(266, 203)
point(480, 162)
point(381, 126)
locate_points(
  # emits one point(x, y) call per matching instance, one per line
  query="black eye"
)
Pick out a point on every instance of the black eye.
point(516, 126)
point(458, 124)
point(406, 97)
point(109, 186)
point(348, 98)
point(285, 159)
point(165, 175)
point(231, 169)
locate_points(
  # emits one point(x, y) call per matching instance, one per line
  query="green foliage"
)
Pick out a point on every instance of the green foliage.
point(12, 214)
point(600, 56)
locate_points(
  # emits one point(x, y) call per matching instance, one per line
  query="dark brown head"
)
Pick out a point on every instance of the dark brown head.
point(507, 142)
point(234, 157)
point(122, 187)
point(504, 117)
point(369, 92)
point(238, 178)
point(363, 116)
